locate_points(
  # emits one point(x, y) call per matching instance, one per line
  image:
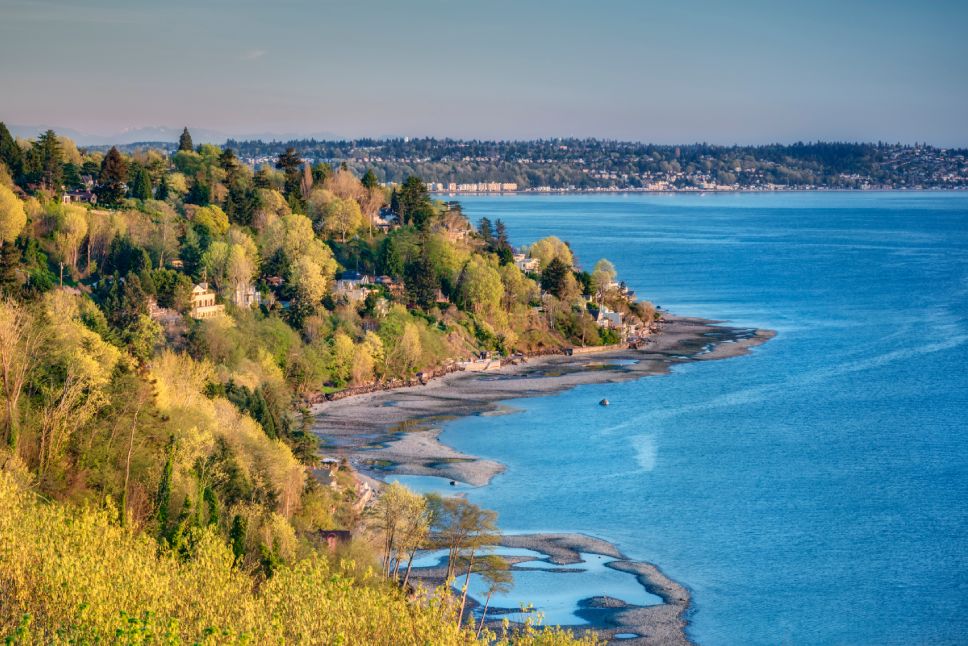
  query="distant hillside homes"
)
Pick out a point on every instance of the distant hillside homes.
point(458, 166)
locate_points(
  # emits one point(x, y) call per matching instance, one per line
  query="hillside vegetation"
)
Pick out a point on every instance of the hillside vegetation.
point(164, 321)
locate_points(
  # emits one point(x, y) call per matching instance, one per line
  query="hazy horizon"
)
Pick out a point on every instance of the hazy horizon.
point(633, 71)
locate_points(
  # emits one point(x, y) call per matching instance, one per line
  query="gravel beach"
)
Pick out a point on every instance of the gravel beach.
point(396, 430)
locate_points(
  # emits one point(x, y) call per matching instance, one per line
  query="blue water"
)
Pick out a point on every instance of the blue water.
point(552, 590)
point(814, 492)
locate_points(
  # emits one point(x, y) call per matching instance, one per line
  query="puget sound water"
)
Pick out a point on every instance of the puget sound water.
point(813, 492)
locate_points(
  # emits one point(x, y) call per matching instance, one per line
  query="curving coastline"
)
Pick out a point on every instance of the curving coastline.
point(396, 431)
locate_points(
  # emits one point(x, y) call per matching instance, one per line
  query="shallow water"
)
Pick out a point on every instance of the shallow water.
point(553, 590)
point(815, 491)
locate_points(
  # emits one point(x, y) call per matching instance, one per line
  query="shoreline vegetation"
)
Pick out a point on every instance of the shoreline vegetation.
point(395, 432)
point(164, 315)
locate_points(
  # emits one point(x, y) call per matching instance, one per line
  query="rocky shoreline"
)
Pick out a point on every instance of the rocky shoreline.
point(395, 431)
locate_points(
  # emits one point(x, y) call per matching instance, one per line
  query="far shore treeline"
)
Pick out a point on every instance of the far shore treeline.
point(165, 320)
point(596, 164)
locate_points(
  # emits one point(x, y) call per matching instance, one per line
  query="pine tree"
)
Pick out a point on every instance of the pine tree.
point(290, 163)
point(163, 189)
point(141, 186)
point(414, 202)
point(422, 282)
point(47, 161)
point(487, 233)
point(163, 497)
point(185, 141)
point(237, 536)
point(369, 179)
point(554, 276)
point(10, 153)
point(112, 185)
point(227, 160)
point(9, 261)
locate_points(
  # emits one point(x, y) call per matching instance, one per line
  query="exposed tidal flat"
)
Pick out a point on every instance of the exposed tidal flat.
point(814, 491)
point(393, 435)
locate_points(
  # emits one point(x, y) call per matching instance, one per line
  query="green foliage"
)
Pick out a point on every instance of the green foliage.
point(185, 141)
point(141, 185)
point(554, 276)
point(111, 187)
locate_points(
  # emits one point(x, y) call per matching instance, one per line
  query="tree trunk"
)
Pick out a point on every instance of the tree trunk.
point(406, 576)
point(484, 613)
point(463, 597)
point(127, 469)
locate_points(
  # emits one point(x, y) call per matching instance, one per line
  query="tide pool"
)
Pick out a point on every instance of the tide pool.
point(813, 492)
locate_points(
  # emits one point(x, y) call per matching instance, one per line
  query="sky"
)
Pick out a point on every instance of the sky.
point(723, 72)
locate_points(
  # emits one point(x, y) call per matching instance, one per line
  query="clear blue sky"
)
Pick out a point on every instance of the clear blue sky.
point(717, 71)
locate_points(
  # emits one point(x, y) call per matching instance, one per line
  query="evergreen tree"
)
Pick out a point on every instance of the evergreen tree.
point(500, 234)
point(9, 261)
point(10, 153)
point(262, 178)
point(163, 497)
point(487, 233)
point(420, 277)
point(321, 172)
point(112, 182)
point(414, 202)
point(141, 186)
point(163, 191)
point(554, 276)
point(72, 176)
point(185, 141)
point(200, 194)
point(290, 163)
point(47, 161)
point(227, 160)
point(369, 179)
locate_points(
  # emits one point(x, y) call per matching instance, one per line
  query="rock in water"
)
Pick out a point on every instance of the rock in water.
point(604, 402)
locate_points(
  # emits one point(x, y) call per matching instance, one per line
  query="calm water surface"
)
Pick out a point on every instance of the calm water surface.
point(814, 492)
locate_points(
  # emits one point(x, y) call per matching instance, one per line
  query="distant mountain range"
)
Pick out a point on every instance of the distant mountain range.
point(160, 133)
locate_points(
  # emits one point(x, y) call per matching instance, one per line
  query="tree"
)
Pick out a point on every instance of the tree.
point(462, 528)
point(413, 201)
point(70, 231)
point(496, 573)
point(547, 249)
point(341, 217)
point(290, 164)
point(422, 281)
point(13, 218)
point(479, 288)
point(369, 179)
point(185, 141)
point(20, 339)
point(486, 231)
point(112, 182)
point(212, 220)
point(603, 275)
point(554, 276)
point(47, 161)
point(10, 153)
point(141, 186)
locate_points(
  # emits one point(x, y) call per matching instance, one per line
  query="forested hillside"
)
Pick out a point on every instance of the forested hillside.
point(164, 321)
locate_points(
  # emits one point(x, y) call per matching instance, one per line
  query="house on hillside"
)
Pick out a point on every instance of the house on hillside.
point(609, 320)
point(525, 264)
point(203, 303)
point(246, 296)
point(353, 286)
point(84, 196)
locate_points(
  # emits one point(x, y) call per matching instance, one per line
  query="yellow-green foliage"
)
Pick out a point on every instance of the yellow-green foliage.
point(202, 421)
point(72, 575)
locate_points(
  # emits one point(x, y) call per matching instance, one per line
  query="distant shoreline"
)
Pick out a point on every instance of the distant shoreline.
point(692, 191)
